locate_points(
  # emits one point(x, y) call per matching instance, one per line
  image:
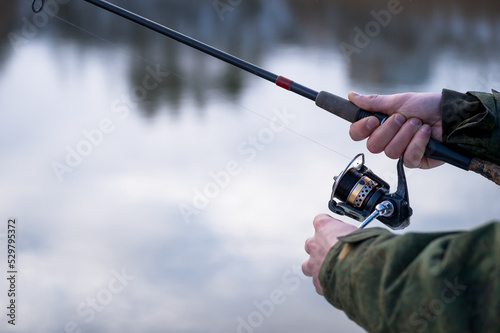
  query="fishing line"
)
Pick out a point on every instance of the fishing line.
point(334, 104)
point(222, 97)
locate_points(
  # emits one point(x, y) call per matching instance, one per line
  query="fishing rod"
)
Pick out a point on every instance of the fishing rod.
point(336, 105)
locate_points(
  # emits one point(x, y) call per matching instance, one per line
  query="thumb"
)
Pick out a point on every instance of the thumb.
point(374, 103)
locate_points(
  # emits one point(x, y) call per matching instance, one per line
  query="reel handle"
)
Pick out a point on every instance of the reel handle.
point(385, 208)
point(345, 109)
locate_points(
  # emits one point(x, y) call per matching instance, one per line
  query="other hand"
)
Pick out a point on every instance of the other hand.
point(327, 230)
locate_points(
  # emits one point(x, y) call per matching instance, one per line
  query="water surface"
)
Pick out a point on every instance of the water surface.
point(158, 189)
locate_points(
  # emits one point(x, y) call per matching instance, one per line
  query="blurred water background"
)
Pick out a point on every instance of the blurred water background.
point(160, 190)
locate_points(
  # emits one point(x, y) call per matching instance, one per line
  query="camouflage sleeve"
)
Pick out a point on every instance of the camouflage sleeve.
point(430, 282)
point(471, 123)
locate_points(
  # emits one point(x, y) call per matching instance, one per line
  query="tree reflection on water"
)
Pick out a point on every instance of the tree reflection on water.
point(401, 50)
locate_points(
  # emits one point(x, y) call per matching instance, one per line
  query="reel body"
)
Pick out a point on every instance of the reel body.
point(363, 196)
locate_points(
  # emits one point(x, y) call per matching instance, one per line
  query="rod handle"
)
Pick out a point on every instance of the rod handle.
point(345, 109)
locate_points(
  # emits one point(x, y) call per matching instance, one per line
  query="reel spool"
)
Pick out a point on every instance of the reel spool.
point(364, 196)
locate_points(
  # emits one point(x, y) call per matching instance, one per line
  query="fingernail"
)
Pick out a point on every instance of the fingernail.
point(355, 94)
point(426, 129)
point(372, 123)
point(399, 119)
point(415, 122)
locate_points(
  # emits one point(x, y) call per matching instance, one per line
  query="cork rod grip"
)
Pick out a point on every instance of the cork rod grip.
point(486, 169)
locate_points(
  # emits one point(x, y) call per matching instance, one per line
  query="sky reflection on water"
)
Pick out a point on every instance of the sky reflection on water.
point(117, 212)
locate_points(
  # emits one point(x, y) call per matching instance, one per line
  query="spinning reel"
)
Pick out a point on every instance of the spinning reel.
point(364, 196)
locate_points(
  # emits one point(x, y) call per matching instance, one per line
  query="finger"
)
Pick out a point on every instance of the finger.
point(306, 269)
point(428, 163)
point(416, 148)
point(309, 245)
point(401, 140)
point(317, 285)
point(363, 128)
point(320, 220)
point(387, 104)
point(384, 134)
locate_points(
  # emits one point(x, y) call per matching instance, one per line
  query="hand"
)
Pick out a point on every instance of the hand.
point(327, 231)
point(414, 119)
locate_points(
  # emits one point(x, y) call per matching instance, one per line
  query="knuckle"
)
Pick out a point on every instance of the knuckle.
point(308, 245)
point(305, 268)
point(374, 102)
point(373, 98)
point(321, 220)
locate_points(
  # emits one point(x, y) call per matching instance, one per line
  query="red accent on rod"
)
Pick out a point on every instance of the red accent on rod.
point(283, 82)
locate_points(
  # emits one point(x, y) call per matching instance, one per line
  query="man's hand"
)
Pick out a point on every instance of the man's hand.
point(414, 119)
point(327, 230)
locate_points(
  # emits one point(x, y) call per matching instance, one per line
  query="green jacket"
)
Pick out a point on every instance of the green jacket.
point(471, 123)
point(427, 282)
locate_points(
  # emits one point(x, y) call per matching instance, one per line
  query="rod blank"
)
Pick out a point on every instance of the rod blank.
point(332, 103)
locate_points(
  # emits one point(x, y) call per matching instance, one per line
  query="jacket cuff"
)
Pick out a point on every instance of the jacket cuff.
point(326, 273)
point(471, 123)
